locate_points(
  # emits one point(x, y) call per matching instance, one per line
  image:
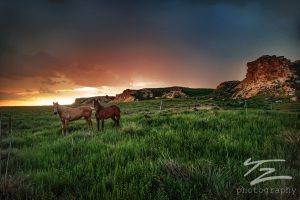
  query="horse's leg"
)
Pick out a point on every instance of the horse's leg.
point(114, 119)
point(118, 120)
point(98, 124)
point(90, 119)
point(91, 123)
point(87, 121)
point(62, 127)
point(102, 120)
point(66, 126)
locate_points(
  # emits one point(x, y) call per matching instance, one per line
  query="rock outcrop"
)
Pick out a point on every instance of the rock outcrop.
point(126, 96)
point(152, 93)
point(227, 88)
point(295, 79)
point(89, 100)
point(267, 76)
point(129, 95)
point(174, 94)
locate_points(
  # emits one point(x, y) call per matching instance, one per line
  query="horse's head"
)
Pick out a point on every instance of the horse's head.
point(96, 103)
point(55, 108)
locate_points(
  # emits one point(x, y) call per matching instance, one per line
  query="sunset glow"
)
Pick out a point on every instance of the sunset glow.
point(85, 89)
point(65, 53)
point(67, 96)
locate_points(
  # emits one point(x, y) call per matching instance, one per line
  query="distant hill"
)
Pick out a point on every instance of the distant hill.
point(89, 100)
point(269, 76)
point(161, 93)
point(130, 95)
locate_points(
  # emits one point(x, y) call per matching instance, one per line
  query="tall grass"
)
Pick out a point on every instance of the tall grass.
point(176, 154)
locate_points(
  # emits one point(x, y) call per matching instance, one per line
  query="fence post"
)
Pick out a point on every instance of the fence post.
point(10, 125)
point(160, 107)
point(9, 150)
point(271, 106)
point(196, 104)
point(296, 119)
point(0, 148)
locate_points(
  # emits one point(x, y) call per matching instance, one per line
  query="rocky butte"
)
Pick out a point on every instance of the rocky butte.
point(130, 95)
point(89, 100)
point(154, 93)
point(267, 76)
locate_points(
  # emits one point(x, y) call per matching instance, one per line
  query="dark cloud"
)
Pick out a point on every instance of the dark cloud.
point(49, 81)
point(56, 1)
point(298, 31)
point(106, 42)
point(8, 96)
point(45, 90)
point(16, 65)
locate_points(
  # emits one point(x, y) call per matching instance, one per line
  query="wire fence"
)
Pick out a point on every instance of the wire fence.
point(5, 129)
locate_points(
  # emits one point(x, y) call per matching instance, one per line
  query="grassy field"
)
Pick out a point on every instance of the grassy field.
point(178, 153)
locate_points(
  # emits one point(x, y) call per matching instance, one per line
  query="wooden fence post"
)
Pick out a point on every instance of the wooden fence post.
point(0, 148)
point(296, 119)
point(196, 104)
point(246, 107)
point(10, 125)
point(9, 150)
point(271, 106)
point(160, 107)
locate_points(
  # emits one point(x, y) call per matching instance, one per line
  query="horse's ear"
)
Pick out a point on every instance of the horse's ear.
point(53, 103)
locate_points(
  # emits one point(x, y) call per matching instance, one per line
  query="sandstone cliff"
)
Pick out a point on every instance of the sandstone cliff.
point(227, 88)
point(148, 93)
point(129, 95)
point(154, 93)
point(267, 76)
point(89, 100)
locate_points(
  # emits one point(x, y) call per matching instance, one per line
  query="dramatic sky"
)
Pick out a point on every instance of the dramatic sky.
point(56, 50)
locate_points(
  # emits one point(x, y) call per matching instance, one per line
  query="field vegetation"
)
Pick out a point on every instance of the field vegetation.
point(177, 153)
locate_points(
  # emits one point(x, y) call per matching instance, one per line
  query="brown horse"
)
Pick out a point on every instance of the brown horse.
point(102, 113)
point(71, 114)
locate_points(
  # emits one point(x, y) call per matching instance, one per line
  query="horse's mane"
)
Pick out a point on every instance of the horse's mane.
point(99, 106)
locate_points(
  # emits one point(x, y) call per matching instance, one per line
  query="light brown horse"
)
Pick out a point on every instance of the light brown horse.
point(71, 114)
point(102, 113)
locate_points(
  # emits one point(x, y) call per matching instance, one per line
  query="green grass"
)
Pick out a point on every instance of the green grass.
point(177, 153)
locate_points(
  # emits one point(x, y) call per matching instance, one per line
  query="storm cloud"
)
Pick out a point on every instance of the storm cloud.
point(196, 43)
